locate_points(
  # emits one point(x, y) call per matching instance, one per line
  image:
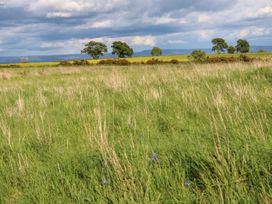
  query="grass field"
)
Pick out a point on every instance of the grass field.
point(181, 58)
point(139, 134)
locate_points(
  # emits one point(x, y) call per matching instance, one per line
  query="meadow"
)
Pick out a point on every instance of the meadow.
point(185, 133)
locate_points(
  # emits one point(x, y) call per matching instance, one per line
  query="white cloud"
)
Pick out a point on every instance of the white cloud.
point(58, 15)
point(253, 31)
point(102, 24)
point(206, 34)
point(144, 40)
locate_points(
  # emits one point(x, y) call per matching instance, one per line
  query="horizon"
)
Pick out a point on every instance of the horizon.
point(141, 51)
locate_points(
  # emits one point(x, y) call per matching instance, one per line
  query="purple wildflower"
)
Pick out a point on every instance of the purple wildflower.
point(154, 157)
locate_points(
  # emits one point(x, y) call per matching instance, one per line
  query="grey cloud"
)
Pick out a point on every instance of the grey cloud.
point(129, 19)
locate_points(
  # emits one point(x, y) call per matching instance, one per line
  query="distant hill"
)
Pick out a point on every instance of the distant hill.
point(53, 58)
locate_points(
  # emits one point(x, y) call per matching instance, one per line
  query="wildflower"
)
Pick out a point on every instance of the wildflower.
point(154, 157)
point(104, 181)
point(187, 183)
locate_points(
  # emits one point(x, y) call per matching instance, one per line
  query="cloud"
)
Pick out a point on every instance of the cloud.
point(48, 26)
point(144, 40)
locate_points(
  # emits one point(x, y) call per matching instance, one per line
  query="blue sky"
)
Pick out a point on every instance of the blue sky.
point(44, 27)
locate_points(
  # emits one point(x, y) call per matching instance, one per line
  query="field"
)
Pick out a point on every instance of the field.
point(183, 133)
point(181, 58)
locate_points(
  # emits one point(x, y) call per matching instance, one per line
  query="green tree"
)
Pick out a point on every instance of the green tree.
point(242, 46)
point(156, 51)
point(219, 45)
point(231, 50)
point(198, 56)
point(121, 49)
point(261, 50)
point(95, 49)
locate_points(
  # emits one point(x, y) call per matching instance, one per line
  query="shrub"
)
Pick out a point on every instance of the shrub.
point(81, 63)
point(138, 63)
point(245, 58)
point(154, 61)
point(198, 56)
point(261, 50)
point(65, 63)
point(174, 61)
point(106, 62)
point(122, 62)
point(222, 59)
point(231, 50)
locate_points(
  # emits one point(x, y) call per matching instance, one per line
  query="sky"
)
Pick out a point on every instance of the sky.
point(48, 27)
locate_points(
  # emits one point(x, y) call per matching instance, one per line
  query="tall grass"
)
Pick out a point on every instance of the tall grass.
point(136, 134)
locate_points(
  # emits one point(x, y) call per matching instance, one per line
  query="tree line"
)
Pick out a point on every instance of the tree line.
point(221, 46)
point(122, 49)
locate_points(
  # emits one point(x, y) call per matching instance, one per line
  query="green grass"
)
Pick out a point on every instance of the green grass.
point(181, 58)
point(136, 134)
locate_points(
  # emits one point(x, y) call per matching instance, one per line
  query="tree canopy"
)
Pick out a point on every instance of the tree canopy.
point(121, 49)
point(231, 50)
point(198, 56)
point(219, 45)
point(242, 46)
point(156, 51)
point(95, 49)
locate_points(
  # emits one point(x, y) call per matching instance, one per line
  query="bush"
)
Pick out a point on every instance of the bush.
point(122, 62)
point(106, 62)
point(261, 50)
point(154, 61)
point(198, 56)
point(231, 50)
point(65, 63)
point(245, 58)
point(81, 63)
point(222, 59)
point(174, 61)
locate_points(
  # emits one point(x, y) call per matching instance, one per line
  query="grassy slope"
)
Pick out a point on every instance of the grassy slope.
point(181, 58)
point(85, 135)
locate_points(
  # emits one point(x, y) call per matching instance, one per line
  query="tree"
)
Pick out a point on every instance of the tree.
point(242, 46)
point(231, 50)
point(95, 49)
point(261, 50)
point(219, 45)
point(121, 49)
point(198, 56)
point(156, 51)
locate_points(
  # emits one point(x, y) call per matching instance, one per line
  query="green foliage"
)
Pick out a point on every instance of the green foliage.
point(219, 45)
point(154, 61)
point(95, 49)
point(242, 46)
point(81, 63)
point(226, 59)
point(231, 49)
point(262, 51)
point(198, 56)
point(65, 63)
point(122, 62)
point(121, 49)
point(245, 58)
point(174, 61)
point(156, 51)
